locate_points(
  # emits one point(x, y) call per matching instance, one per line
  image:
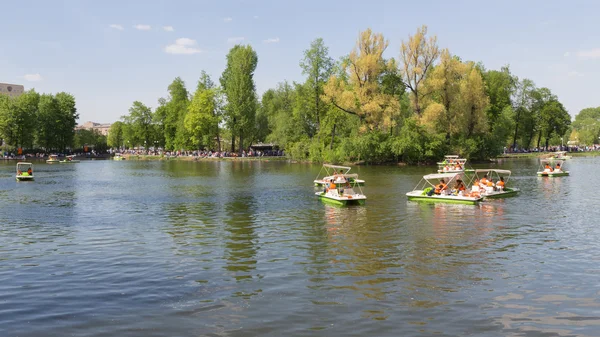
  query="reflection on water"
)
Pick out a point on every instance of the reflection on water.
point(245, 249)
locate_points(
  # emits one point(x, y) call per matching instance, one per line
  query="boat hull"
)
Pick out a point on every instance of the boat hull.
point(69, 161)
point(341, 202)
point(52, 161)
point(507, 193)
point(24, 178)
point(553, 174)
point(418, 196)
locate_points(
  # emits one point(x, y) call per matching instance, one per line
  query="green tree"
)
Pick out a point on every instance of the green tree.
point(139, 121)
point(586, 126)
point(18, 118)
point(317, 66)
point(555, 120)
point(238, 84)
point(115, 135)
point(173, 116)
point(48, 115)
point(202, 119)
point(66, 120)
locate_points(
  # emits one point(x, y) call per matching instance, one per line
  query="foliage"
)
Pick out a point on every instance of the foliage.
point(238, 85)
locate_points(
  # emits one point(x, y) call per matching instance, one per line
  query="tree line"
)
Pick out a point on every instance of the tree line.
point(365, 107)
point(43, 122)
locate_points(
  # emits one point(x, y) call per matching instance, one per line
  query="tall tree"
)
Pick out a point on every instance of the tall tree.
point(317, 66)
point(18, 118)
point(202, 119)
point(115, 135)
point(500, 87)
point(140, 121)
point(173, 115)
point(67, 120)
point(586, 126)
point(238, 84)
point(358, 91)
point(48, 114)
point(418, 55)
point(555, 120)
point(523, 105)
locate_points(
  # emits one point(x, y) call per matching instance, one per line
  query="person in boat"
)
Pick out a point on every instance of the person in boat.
point(458, 167)
point(489, 186)
point(557, 168)
point(439, 188)
point(446, 168)
point(331, 185)
point(500, 184)
point(30, 171)
point(19, 172)
point(459, 187)
point(547, 168)
point(483, 182)
point(475, 189)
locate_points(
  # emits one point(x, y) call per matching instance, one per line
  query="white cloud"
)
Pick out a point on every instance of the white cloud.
point(168, 28)
point(235, 40)
point(142, 27)
point(117, 27)
point(574, 74)
point(271, 40)
point(256, 16)
point(33, 77)
point(227, 19)
point(183, 46)
point(589, 54)
point(567, 54)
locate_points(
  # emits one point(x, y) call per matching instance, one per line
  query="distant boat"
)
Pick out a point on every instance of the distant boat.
point(453, 164)
point(118, 157)
point(69, 160)
point(24, 171)
point(53, 159)
point(546, 169)
point(331, 171)
point(340, 191)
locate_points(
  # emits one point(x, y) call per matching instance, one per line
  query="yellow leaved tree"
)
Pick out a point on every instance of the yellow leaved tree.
point(357, 90)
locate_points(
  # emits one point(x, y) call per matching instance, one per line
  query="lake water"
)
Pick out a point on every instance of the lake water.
point(140, 248)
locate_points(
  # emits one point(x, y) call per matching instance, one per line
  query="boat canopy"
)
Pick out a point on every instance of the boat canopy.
point(551, 161)
point(493, 170)
point(21, 165)
point(441, 175)
point(337, 167)
point(451, 156)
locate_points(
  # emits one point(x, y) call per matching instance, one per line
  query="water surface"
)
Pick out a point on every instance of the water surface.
point(128, 248)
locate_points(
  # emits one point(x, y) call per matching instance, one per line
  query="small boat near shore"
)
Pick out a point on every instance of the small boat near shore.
point(560, 155)
point(69, 160)
point(53, 159)
point(426, 190)
point(453, 164)
point(497, 190)
point(118, 156)
point(332, 171)
point(340, 191)
point(546, 169)
point(24, 171)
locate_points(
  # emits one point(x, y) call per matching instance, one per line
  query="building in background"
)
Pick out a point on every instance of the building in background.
point(102, 128)
point(12, 90)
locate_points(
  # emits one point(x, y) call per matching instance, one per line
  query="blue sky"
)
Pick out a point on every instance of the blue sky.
point(111, 53)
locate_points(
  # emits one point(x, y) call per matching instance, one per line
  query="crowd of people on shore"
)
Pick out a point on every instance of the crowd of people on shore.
point(202, 153)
